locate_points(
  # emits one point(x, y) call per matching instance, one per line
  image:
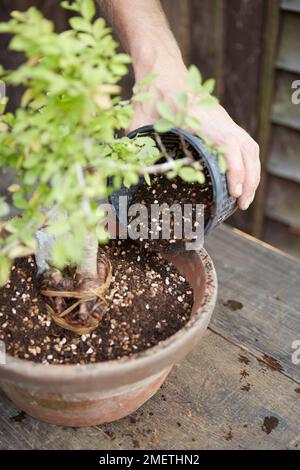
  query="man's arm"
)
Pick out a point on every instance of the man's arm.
point(145, 34)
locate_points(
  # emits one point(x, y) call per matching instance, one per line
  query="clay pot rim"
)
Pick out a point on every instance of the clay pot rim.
point(162, 352)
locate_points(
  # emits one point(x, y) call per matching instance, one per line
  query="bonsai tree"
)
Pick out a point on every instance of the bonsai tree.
point(67, 146)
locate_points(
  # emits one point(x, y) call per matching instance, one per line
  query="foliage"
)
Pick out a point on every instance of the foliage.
point(66, 141)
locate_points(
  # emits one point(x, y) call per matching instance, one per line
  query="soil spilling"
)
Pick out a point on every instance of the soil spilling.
point(148, 301)
point(174, 204)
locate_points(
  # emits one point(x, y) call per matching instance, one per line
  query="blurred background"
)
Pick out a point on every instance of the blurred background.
point(252, 48)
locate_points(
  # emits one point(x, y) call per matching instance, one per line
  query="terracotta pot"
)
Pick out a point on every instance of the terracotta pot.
point(93, 394)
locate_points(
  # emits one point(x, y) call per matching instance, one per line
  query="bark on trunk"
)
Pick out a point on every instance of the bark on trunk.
point(88, 265)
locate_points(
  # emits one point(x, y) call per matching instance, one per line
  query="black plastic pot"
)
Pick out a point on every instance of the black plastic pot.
point(224, 205)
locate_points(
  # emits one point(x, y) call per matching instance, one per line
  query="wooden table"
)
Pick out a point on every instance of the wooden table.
point(239, 389)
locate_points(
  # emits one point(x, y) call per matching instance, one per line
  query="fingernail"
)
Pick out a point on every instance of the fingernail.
point(238, 190)
point(247, 203)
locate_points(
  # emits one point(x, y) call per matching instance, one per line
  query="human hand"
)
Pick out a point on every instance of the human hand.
point(242, 152)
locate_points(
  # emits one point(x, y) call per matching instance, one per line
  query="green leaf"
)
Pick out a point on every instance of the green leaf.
point(19, 201)
point(80, 24)
point(165, 111)
point(182, 100)
point(194, 80)
point(13, 188)
point(209, 85)
point(5, 265)
point(70, 6)
point(143, 97)
point(172, 174)
point(208, 103)
point(59, 257)
point(88, 9)
point(59, 227)
point(188, 174)
point(130, 179)
point(147, 81)
point(3, 104)
point(193, 122)
point(147, 179)
point(4, 207)
point(99, 28)
point(163, 126)
point(200, 177)
point(222, 164)
point(102, 234)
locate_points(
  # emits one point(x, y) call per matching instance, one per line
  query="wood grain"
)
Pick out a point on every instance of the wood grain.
point(290, 5)
point(267, 285)
point(181, 29)
point(284, 160)
point(205, 405)
point(266, 89)
point(282, 236)
point(20, 431)
point(288, 54)
point(283, 201)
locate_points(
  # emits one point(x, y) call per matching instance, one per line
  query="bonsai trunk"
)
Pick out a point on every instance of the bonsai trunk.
point(88, 266)
point(90, 274)
point(92, 279)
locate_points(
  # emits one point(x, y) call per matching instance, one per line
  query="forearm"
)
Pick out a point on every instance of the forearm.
point(145, 34)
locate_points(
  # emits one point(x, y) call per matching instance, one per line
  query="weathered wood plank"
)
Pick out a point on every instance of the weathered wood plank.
point(266, 283)
point(19, 431)
point(282, 236)
point(284, 160)
point(208, 39)
point(291, 5)
point(182, 28)
point(288, 55)
point(266, 88)
point(283, 201)
point(244, 26)
point(284, 111)
point(210, 402)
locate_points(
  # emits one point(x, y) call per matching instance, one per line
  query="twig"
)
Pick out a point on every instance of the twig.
point(162, 147)
point(161, 168)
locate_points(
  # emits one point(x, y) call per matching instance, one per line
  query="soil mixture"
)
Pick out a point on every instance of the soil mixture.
point(175, 191)
point(148, 302)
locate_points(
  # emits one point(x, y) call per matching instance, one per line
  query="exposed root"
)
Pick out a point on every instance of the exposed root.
point(85, 314)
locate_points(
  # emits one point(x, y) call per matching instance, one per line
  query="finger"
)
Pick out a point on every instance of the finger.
point(235, 168)
point(250, 153)
point(142, 117)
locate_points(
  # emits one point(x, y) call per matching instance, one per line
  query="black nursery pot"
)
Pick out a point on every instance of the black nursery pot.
point(223, 204)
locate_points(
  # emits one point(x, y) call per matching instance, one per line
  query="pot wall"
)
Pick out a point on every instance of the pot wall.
point(93, 394)
point(84, 409)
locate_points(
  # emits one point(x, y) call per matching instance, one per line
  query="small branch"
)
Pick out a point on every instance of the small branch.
point(186, 151)
point(162, 168)
point(162, 147)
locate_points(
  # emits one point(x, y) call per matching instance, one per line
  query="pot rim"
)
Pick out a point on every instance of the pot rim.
point(17, 369)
